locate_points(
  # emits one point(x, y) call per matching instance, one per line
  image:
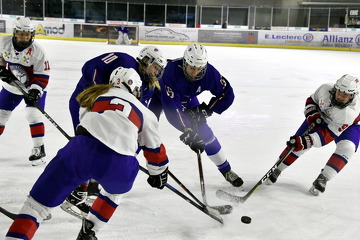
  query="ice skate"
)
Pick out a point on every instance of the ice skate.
point(233, 178)
point(86, 233)
point(318, 185)
point(75, 203)
point(37, 156)
point(273, 177)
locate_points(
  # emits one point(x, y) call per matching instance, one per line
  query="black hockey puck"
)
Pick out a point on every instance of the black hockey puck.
point(246, 219)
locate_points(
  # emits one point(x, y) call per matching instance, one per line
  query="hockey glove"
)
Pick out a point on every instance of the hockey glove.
point(300, 142)
point(192, 139)
point(199, 113)
point(6, 75)
point(32, 97)
point(313, 115)
point(158, 181)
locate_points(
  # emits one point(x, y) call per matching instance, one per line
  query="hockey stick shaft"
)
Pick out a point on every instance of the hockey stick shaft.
point(222, 209)
point(43, 111)
point(200, 207)
point(186, 189)
point(268, 173)
point(7, 213)
point(201, 175)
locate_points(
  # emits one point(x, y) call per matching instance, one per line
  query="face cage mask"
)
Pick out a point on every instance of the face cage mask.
point(197, 77)
point(22, 45)
point(147, 77)
point(338, 104)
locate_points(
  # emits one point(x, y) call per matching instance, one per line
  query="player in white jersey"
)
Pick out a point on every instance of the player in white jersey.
point(24, 61)
point(334, 109)
point(112, 125)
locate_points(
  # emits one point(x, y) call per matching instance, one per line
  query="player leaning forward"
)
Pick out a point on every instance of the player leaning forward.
point(183, 80)
point(338, 108)
point(112, 124)
point(23, 59)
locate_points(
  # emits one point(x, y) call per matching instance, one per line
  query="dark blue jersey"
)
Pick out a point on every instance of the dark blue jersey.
point(178, 93)
point(99, 69)
point(123, 29)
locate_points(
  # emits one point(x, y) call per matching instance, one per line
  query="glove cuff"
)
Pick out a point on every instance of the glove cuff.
point(37, 87)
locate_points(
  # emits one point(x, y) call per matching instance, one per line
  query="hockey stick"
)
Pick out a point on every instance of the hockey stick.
point(223, 209)
point(42, 111)
point(233, 198)
point(210, 212)
point(14, 215)
point(7, 213)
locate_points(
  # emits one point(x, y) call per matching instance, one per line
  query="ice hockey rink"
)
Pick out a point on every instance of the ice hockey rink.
point(271, 86)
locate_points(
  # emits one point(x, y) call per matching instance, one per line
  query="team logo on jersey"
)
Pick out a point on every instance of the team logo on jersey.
point(6, 55)
point(199, 89)
point(20, 73)
point(25, 60)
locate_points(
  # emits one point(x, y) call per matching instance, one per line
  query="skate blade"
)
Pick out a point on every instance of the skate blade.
point(314, 191)
point(38, 162)
point(69, 208)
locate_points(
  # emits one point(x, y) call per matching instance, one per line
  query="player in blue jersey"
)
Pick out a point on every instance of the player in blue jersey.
point(183, 80)
point(150, 65)
point(113, 124)
point(123, 37)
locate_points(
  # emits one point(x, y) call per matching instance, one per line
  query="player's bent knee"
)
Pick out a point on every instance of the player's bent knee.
point(32, 115)
point(345, 148)
point(4, 116)
point(34, 208)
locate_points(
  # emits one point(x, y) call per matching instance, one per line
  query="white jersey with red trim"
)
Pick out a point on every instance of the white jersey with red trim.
point(337, 119)
point(30, 66)
point(121, 122)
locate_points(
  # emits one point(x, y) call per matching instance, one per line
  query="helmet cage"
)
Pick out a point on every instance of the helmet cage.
point(200, 75)
point(195, 55)
point(147, 57)
point(336, 103)
point(346, 84)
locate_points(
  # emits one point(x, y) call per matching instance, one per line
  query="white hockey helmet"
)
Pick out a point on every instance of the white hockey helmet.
point(195, 55)
point(127, 79)
point(347, 84)
point(150, 55)
point(23, 24)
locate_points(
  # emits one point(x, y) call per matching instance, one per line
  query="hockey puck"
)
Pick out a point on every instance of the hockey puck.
point(246, 219)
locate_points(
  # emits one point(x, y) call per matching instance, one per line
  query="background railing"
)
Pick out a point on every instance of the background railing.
point(252, 17)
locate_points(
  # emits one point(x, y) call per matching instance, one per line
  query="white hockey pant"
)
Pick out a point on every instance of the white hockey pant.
point(4, 116)
point(33, 115)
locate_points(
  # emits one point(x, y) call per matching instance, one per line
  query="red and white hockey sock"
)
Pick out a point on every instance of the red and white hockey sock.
point(23, 227)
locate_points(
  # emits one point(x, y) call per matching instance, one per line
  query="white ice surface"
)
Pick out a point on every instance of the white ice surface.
point(271, 86)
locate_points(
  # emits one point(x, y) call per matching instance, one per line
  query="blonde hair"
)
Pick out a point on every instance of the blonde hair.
point(154, 84)
point(87, 97)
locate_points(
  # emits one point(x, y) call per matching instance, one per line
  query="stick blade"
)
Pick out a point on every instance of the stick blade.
point(214, 214)
point(228, 197)
point(8, 214)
